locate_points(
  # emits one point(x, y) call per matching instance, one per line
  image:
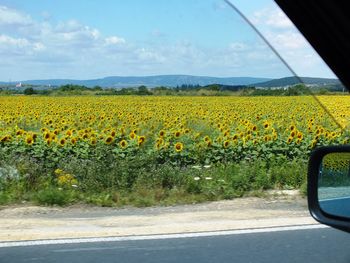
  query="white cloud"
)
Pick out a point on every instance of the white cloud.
point(72, 49)
point(10, 41)
point(39, 46)
point(73, 32)
point(281, 33)
point(238, 46)
point(114, 40)
point(149, 55)
point(287, 40)
point(10, 46)
point(13, 17)
point(272, 17)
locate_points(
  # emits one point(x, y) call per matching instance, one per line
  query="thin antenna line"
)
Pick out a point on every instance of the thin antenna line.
point(283, 61)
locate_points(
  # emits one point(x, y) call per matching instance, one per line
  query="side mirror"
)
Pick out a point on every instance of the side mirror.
point(329, 186)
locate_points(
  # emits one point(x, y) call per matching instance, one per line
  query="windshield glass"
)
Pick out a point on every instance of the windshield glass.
point(154, 103)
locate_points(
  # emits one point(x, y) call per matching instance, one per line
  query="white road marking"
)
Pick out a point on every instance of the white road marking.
point(334, 199)
point(160, 236)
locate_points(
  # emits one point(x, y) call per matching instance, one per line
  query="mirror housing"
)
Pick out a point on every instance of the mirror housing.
point(314, 172)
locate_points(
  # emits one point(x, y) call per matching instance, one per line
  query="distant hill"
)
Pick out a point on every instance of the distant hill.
point(289, 81)
point(149, 81)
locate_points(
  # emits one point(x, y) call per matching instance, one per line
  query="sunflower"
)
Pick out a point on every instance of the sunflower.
point(93, 141)
point(113, 133)
point(158, 145)
point(109, 140)
point(132, 135)
point(123, 144)
point(19, 132)
point(49, 141)
point(73, 141)
point(179, 147)
point(62, 142)
point(29, 140)
point(141, 140)
point(177, 134)
point(275, 136)
point(5, 138)
point(299, 135)
point(206, 138)
point(52, 136)
point(313, 143)
point(226, 143)
point(267, 138)
point(161, 133)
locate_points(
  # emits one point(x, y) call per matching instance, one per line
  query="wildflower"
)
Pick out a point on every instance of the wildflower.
point(179, 147)
point(226, 144)
point(29, 140)
point(93, 141)
point(123, 144)
point(177, 134)
point(109, 140)
point(141, 140)
point(62, 142)
point(132, 135)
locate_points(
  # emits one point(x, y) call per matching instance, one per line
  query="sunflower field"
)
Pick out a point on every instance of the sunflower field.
point(110, 142)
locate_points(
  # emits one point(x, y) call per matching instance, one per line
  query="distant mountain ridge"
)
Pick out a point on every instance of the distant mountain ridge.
point(290, 81)
point(149, 81)
point(178, 80)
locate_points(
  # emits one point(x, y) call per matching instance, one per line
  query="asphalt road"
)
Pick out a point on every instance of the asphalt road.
point(305, 245)
point(336, 206)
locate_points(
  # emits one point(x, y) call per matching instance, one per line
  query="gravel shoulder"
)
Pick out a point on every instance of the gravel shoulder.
point(33, 222)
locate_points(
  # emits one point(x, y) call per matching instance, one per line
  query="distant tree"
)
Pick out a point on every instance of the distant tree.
point(214, 87)
point(160, 88)
point(298, 89)
point(323, 91)
point(29, 91)
point(142, 90)
point(97, 88)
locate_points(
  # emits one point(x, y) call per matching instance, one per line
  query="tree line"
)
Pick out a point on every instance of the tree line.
point(185, 90)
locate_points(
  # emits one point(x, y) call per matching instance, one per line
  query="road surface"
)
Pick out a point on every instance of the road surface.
point(303, 244)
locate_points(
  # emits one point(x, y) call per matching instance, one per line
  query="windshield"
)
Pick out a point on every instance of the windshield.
point(109, 107)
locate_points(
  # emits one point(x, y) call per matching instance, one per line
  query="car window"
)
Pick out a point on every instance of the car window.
point(154, 103)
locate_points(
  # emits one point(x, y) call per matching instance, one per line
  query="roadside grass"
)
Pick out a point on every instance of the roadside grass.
point(141, 183)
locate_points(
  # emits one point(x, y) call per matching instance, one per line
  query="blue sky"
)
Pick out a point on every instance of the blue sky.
point(85, 39)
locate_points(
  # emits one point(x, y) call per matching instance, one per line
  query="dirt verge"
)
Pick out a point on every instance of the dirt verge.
point(32, 222)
